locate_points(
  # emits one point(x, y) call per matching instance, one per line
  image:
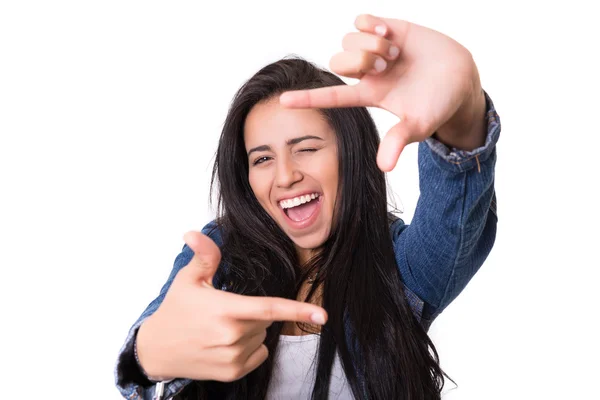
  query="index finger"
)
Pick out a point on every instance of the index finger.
point(277, 309)
point(325, 97)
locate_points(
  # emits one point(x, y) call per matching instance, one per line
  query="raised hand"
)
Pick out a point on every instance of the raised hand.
point(202, 333)
point(425, 78)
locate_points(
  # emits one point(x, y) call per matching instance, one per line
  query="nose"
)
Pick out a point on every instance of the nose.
point(287, 173)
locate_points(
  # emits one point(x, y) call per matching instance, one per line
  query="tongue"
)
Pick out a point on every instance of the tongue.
point(302, 212)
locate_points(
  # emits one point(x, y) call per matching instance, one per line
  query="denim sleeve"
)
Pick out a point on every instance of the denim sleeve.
point(454, 225)
point(131, 382)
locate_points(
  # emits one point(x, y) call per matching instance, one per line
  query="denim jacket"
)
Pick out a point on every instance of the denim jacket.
point(450, 236)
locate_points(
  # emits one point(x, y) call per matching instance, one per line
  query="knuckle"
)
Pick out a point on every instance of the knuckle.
point(231, 355)
point(420, 125)
point(229, 338)
point(233, 373)
point(365, 59)
point(268, 312)
point(214, 259)
point(230, 335)
point(264, 354)
point(207, 261)
point(381, 46)
point(263, 335)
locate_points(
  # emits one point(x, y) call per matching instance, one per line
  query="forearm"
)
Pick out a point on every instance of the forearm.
point(454, 225)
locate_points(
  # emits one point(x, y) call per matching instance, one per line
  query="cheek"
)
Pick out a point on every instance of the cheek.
point(329, 173)
point(260, 186)
point(331, 179)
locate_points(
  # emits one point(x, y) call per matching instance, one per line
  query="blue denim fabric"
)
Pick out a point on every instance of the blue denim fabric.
point(451, 234)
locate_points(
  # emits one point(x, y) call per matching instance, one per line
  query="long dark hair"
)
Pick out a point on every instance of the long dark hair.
point(385, 352)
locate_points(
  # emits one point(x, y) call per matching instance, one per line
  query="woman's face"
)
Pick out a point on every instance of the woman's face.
point(293, 170)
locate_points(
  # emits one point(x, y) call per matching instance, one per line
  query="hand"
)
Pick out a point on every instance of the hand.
point(202, 333)
point(425, 78)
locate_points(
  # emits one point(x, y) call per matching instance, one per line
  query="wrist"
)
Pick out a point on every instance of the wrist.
point(149, 372)
point(466, 130)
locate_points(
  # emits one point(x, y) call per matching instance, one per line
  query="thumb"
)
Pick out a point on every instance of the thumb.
point(207, 256)
point(392, 145)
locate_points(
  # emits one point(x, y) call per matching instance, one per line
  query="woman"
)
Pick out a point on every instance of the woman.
point(304, 263)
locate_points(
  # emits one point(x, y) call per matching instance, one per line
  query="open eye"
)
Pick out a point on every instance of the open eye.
point(261, 160)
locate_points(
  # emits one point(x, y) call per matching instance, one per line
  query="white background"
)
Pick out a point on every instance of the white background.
point(109, 118)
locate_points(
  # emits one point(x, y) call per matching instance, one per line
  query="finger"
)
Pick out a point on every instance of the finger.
point(275, 309)
point(355, 64)
point(371, 24)
point(227, 365)
point(392, 145)
point(252, 327)
point(252, 344)
point(326, 97)
point(361, 41)
point(258, 357)
point(206, 259)
point(237, 353)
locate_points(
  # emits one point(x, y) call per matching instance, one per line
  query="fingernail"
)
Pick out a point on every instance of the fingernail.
point(380, 64)
point(394, 51)
point(318, 318)
point(380, 30)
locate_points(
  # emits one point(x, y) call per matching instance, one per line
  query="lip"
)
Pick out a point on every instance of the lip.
point(299, 225)
point(303, 193)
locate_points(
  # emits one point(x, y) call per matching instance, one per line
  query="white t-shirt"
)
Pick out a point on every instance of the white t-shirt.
point(295, 367)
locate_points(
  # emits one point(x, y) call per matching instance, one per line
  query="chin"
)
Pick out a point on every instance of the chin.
point(310, 241)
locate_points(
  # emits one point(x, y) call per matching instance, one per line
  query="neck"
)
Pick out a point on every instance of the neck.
point(304, 255)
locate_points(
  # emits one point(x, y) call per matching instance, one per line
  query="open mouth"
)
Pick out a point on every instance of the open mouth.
point(302, 208)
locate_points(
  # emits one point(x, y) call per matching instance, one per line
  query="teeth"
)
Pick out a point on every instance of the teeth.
point(296, 201)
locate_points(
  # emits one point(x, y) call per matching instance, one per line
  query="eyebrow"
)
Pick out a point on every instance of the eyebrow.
point(289, 142)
